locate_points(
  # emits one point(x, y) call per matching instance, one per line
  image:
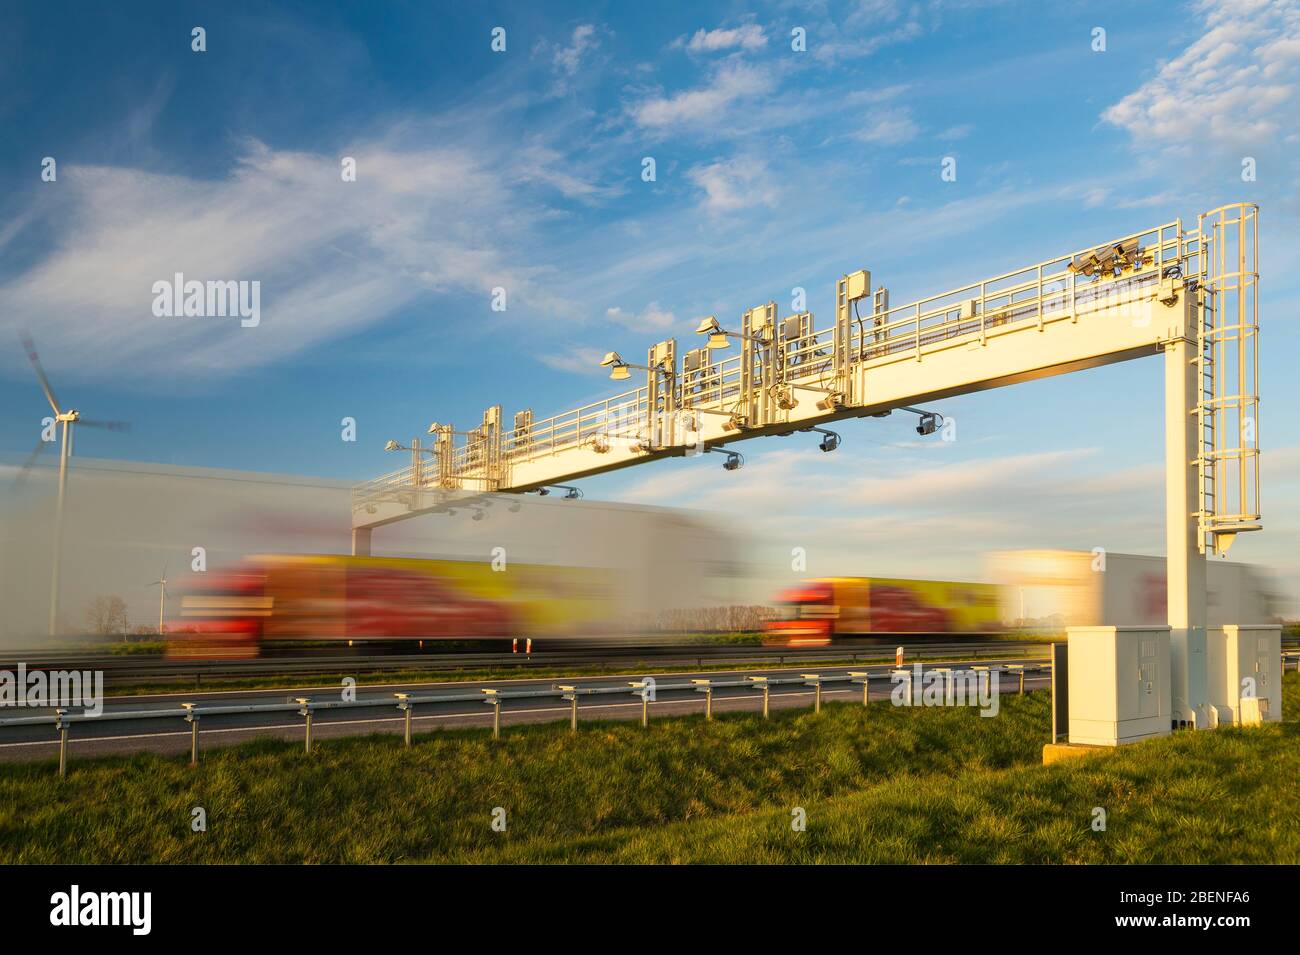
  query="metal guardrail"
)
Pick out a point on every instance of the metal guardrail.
point(127, 668)
point(405, 703)
point(62, 720)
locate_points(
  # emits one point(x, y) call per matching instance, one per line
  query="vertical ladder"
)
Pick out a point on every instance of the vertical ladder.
point(1227, 326)
point(1205, 417)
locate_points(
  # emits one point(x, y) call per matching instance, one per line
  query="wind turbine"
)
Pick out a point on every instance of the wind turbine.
point(67, 419)
point(162, 597)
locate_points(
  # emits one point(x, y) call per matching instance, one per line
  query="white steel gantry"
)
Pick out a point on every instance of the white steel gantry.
point(1189, 293)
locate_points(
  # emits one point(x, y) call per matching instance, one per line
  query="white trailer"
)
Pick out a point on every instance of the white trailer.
point(1050, 590)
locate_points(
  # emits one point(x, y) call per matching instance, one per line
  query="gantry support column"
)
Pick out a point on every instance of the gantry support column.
point(1185, 564)
point(361, 541)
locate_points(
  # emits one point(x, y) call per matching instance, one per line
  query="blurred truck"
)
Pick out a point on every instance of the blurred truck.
point(816, 612)
point(1049, 590)
point(595, 573)
point(1041, 591)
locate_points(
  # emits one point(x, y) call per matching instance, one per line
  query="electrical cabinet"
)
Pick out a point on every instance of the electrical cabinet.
point(1119, 686)
point(1245, 674)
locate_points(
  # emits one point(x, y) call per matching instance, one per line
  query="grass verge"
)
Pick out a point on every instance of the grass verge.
point(878, 783)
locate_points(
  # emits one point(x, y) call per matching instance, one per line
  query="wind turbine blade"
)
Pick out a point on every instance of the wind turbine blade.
point(27, 465)
point(35, 359)
point(106, 425)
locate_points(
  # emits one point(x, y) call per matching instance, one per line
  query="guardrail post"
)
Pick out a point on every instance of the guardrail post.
point(1019, 668)
point(305, 703)
point(493, 699)
point(404, 704)
point(982, 675)
point(639, 688)
point(62, 727)
point(705, 687)
point(571, 694)
point(863, 677)
point(814, 680)
point(192, 718)
point(761, 681)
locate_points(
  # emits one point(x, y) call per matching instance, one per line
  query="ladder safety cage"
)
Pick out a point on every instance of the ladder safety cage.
point(1225, 253)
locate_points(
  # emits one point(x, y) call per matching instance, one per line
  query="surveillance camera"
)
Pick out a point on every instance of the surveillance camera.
point(929, 424)
point(830, 442)
point(542, 492)
point(732, 463)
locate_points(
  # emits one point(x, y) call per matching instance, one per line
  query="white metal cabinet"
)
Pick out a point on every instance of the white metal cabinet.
point(1245, 660)
point(1118, 684)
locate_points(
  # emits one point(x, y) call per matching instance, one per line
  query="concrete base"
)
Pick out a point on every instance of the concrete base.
point(1060, 752)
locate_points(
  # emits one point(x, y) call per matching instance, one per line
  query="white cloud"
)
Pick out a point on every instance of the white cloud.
point(957, 483)
point(332, 257)
point(851, 48)
point(1234, 86)
point(889, 127)
point(568, 58)
point(732, 81)
point(734, 184)
point(1096, 197)
point(747, 37)
point(574, 359)
point(651, 318)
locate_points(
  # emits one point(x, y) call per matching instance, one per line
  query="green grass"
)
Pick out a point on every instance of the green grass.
point(879, 784)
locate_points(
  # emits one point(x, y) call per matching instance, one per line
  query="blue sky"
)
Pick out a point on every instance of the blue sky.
point(522, 169)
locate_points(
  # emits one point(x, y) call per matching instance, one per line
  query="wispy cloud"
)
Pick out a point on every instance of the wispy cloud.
point(651, 318)
point(889, 127)
point(332, 256)
point(575, 359)
point(747, 37)
point(733, 81)
point(568, 58)
point(731, 185)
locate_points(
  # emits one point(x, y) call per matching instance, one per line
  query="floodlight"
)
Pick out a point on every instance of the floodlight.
point(611, 358)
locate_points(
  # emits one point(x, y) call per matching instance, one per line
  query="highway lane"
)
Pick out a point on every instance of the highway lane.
point(171, 735)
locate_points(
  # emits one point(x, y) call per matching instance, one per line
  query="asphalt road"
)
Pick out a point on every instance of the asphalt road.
point(171, 735)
